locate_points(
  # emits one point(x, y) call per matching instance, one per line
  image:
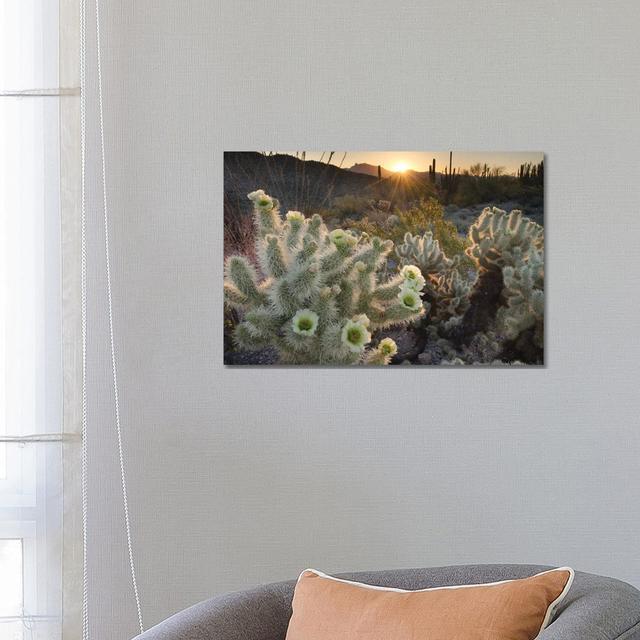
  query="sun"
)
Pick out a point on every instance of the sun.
point(400, 167)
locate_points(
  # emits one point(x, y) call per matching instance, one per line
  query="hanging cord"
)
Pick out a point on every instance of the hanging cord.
point(83, 313)
point(105, 209)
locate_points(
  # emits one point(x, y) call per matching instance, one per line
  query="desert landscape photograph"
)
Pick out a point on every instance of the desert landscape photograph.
point(417, 258)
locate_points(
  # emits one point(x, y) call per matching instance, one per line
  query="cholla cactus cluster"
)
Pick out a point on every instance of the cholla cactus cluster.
point(448, 290)
point(425, 252)
point(500, 239)
point(320, 294)
point(524, 298)
point(322, 297)
point(513, 245)
point(474, 317)
point(452, 301)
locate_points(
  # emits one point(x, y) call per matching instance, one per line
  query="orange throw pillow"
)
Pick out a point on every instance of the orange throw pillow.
point(326, 608)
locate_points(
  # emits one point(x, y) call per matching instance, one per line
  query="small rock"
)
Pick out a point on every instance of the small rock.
point(406, 341)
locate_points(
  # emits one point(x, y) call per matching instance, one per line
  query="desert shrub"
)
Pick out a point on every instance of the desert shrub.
point(322, 292)
point(425, 215)
point(428, 215)
point(350, 206)
point(239, 238)
point(366, 226)
point(494, 187)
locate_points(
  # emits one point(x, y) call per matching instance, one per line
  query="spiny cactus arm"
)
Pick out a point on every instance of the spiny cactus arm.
point(248, 336)
point(373, 254)
point(266, 214)
point(388, 291)
point(332, 260)
point(263, 321)
point(432, 256)
point(303, 282)
point(396, 314)
point(240, 273)
point(293, 228)
point(520, 314)
point(407, 250)
point(382, 354)
point(333, 350)
point(325, 305)
point(301, 335)
point(524, 297)
point(375, 358)
point(273, 256)
point(537, 302)
point(316, 228)
point(233, 297)
point(298, 274)
point(243, 338)
point(345, 299)
point(364, 283)
point(451, 293)
point(258, 329)
point(424, 251)
point(267, 222)
point(498, 239)
point(298, 346)
point(281, 298)
point(476, 230)
point(307, 251)
point(514, 321)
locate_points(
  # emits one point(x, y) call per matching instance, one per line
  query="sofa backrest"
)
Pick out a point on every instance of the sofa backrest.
point(595, 605)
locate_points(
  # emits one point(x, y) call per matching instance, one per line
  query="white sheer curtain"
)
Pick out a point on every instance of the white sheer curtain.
point(38, 542)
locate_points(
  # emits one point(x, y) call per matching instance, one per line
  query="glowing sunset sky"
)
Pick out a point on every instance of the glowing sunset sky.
point(420, 160)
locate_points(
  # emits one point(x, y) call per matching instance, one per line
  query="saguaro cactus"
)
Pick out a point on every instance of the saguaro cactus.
point(320, 293)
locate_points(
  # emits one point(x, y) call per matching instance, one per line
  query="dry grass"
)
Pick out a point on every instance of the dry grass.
point(239, 237)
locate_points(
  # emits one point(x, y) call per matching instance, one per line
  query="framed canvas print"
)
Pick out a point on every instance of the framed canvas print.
point(384, 258)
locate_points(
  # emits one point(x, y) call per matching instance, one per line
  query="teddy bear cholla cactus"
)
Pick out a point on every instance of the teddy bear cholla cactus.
point(452, 301)
point(500, 239)
point(524, 298)
point(320, 295)
point(509, 252)
point(447, 290)
point(425, 252)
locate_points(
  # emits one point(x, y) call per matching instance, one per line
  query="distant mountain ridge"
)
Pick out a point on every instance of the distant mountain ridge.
point(370, 170)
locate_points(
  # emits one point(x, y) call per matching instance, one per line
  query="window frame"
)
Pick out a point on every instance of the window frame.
point(40, 495)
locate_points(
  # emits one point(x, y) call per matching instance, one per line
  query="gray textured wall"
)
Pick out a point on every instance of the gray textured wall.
point(243, 476)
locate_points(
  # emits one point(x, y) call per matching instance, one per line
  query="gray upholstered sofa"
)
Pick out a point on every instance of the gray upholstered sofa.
point(596, 608)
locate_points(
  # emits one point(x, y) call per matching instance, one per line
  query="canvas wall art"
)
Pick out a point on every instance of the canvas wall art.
point(384, 258)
